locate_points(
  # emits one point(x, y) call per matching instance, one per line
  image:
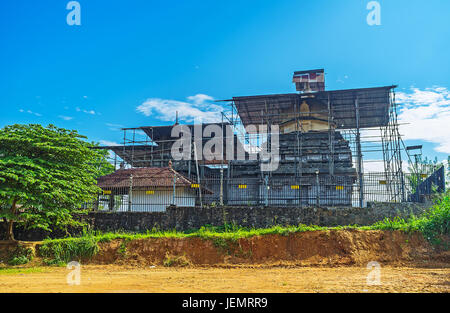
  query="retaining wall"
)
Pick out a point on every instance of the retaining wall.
point(186, 218)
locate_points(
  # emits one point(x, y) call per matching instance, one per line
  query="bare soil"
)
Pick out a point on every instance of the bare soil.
point(318, 261)
point(113, 278)
point(314, 248)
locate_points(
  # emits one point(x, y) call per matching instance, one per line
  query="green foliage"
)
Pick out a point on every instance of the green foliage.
point(15, 271)
point(19, 260)
point(60, 251)
point(423, 166)
point(21, 255)
point(434, 223)
point(123, 248)
point(46, 174)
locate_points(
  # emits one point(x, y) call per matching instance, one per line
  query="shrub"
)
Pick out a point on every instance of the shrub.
point(65, 250)
point(433, 224)
point(21, 255)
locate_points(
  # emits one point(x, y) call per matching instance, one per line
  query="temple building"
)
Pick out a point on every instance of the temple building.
point(319, 153)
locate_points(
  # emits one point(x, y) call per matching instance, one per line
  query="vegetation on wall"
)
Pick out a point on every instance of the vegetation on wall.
point(434, 224)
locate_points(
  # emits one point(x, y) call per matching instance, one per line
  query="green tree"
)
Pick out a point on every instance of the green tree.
point(46, 174)
point(421, 167)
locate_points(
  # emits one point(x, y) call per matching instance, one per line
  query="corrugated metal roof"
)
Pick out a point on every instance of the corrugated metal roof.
point(374, 104)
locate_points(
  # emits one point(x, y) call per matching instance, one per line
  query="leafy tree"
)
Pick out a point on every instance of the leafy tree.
point(46, 174)
point(447, 181)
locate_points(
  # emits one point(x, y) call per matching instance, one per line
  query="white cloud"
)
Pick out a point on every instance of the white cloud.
point(114, 127)
point(108, 143)
point(200, 98)
point(92, 112)
point(30, 112)
point(66, 118)
point(198, 108)
point(427, 114)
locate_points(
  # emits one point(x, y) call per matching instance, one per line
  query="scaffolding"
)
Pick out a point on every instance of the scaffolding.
point(366, 119)
point(326, 140)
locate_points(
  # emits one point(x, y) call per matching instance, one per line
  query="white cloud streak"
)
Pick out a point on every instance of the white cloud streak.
point(108, 143)
point(66, 118)
point(197, 108)
point(114, 127)
point(30, 112)
point(92, 112)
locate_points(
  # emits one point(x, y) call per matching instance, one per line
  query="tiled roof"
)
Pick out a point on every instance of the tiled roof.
point(144, 177)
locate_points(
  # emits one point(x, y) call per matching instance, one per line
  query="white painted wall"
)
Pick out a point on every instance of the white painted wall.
point(157, 202)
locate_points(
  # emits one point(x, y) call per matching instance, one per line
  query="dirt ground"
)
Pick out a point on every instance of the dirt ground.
point(114, 278)
point(317, 261)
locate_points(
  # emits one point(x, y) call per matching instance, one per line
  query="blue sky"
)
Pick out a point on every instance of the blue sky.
point(95, 76)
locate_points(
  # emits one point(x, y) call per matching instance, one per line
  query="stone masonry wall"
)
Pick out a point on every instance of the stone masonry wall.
point(186, 218)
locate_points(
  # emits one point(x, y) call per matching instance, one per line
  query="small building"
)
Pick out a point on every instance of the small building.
point(146, 189)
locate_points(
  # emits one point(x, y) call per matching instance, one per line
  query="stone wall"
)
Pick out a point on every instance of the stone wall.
point(186, 218)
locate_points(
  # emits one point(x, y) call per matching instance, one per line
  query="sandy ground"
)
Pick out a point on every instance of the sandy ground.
point(113, 278)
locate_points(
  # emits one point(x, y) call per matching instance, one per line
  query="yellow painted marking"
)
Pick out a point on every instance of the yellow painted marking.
point(150, 192)
point(106, 192)
point(382, 182)
point(242, 186)
point(339, 187)
point(195, 185)
point(295, 187)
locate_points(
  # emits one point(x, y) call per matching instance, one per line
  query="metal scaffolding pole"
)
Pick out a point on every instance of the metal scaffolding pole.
point(359, 155)
point(331, 136)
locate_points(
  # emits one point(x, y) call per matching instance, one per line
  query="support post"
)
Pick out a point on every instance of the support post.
point(198, 175)
point(266, 194)
point(174, 188)
point(331, 137)
point(317, 188)
point(130, 193)
point(221, 168)
point(359, 155)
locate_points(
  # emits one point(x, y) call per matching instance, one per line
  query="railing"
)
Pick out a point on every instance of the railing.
point(424, 186)
point(267, 191)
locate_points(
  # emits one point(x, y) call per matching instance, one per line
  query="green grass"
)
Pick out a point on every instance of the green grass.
point(12, 271)
point(60, 251)
point(433, 224)
point(21, 255)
